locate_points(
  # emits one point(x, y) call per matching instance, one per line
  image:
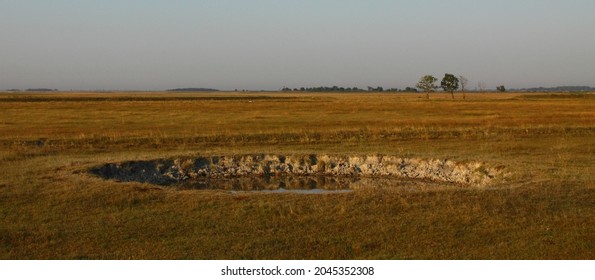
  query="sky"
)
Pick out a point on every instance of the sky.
point(270, 44)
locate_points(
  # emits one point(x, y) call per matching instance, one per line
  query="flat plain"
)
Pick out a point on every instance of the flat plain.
point(51, 207)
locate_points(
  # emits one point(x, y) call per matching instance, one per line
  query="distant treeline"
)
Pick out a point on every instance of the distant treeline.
point(193, 89)
point(33, 89)
point(41, 89)
point(354, 89)
point(348, 89)
point(558, 89)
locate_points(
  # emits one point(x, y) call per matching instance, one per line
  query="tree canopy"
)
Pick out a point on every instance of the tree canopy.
point(450, 83)
point(426, 83)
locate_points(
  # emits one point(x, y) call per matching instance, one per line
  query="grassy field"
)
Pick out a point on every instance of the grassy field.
point(52, 208)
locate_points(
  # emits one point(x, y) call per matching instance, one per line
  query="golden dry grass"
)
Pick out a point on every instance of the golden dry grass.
point(52, 209)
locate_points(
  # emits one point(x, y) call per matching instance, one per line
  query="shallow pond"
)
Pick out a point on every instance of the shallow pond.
point(298, 173)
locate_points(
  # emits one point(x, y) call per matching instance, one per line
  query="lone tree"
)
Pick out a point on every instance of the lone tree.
point(464, 81)
point(450, 83)
point(501, 89)
point(426, 83)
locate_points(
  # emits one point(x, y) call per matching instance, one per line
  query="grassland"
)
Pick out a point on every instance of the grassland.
point(51, 208)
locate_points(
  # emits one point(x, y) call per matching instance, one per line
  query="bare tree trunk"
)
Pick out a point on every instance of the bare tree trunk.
point(464, 82)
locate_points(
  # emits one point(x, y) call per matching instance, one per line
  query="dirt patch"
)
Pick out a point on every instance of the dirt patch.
point(266, 172)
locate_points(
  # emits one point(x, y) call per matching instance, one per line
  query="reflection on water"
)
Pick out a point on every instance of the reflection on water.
point(312, 184)
point(273, 183)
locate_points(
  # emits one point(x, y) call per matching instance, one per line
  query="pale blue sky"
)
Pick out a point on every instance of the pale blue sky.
point(268, 44)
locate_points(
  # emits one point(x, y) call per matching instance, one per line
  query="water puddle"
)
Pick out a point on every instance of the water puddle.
point(306, 174)
point(270, 183)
